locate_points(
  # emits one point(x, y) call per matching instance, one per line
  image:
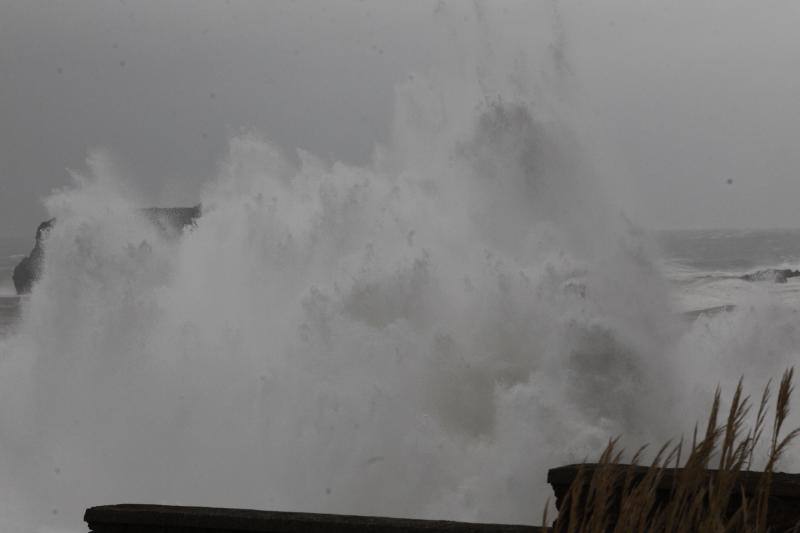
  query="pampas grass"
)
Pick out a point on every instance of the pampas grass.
point(704, 491)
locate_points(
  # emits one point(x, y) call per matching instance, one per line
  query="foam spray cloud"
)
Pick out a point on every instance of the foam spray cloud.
point(422, 336)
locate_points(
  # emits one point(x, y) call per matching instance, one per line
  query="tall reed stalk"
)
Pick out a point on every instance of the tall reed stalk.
point(706, 493)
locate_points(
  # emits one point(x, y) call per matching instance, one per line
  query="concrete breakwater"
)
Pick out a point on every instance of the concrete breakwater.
point(170, 519)
point(783, 512)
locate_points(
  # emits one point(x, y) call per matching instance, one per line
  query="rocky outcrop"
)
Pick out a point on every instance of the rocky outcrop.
point(777, 275)
point(29, 269)
point(169, 220)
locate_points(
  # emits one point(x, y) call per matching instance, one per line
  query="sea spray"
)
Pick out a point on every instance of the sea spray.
point(423, 336)
point(330, 338)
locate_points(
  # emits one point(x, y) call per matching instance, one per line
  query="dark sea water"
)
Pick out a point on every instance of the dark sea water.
point(737, 251)
point(706, 267)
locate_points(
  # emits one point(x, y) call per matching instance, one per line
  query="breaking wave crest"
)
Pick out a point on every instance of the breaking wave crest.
point(421, 336)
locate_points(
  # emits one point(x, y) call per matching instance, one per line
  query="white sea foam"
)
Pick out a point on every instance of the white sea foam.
point(422, 336)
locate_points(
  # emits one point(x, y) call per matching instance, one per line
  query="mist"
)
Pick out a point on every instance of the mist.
point(684, 96)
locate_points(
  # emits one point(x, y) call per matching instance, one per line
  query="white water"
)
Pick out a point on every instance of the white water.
point(423, 336)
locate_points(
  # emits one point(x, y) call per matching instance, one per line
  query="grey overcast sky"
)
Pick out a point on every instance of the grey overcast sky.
point(685, 94)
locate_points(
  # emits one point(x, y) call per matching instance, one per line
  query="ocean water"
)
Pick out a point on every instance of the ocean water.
point(706, 267)
point(732, 251)
point(423, 335)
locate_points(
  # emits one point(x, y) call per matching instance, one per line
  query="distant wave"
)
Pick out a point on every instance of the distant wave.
point(709, 311)
point(685, 274)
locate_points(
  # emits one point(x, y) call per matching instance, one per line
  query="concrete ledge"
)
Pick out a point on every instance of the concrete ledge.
point(135, 518)
point(783, 485)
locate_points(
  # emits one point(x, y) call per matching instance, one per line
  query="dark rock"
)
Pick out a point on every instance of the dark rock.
point(777, 275)
point(172, 220)
point(169, 220)
point(171, 519)
point(29, 269)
